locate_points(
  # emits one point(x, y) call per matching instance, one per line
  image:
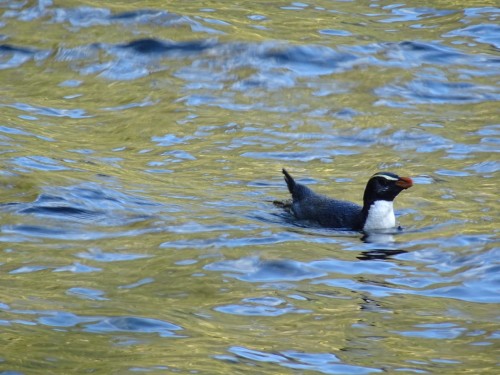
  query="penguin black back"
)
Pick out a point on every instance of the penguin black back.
point(376, 212)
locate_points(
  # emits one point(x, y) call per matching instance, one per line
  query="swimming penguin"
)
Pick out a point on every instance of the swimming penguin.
point(376, 213)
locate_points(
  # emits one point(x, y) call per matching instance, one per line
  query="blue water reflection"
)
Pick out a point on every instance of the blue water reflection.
point(256, 270)
point(141, 153)
point(322, 362)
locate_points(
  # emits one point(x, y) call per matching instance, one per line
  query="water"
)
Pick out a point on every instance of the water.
point(142, 148)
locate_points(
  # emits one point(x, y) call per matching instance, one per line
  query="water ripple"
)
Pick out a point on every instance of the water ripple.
point(86, 17)
point(179, 123)
point(253, 269)
point(87, 293)
point(133, 324)
point(485, 33)
point(99, 256)
point(441, 331)
point(100, 324)
point(426, 91)
point(86, 211)
point(265, 306)
point(75, 113)
point(15, 56)
point(224, 241)
point(405, 14)
point(326, 363)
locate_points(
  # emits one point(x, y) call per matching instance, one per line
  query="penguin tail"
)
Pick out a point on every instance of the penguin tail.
point(290, 182)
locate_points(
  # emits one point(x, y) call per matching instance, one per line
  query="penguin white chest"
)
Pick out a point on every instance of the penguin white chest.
point(380, 216)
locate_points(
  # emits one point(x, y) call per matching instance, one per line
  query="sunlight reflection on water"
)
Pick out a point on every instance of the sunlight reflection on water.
point(142, 151)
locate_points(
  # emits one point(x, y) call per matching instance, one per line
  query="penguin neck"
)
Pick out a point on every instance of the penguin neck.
point(379, 214)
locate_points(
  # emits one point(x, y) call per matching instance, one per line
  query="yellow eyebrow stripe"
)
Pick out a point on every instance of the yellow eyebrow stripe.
point(387, 177)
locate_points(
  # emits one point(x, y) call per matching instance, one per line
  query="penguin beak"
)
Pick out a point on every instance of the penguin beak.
point(404, 182)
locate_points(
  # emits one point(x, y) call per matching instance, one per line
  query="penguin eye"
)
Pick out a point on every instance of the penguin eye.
point(384, 182)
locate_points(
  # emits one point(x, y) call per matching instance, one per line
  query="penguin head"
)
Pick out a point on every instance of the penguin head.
point(385, 186)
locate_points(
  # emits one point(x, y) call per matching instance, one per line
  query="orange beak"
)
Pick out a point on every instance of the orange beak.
point(404, 182)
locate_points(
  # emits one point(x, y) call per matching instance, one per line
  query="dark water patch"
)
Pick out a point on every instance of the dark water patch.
point(134, 59)
point(305, 60)
point(14, 56)
point(276, 65)
point(254, 269)
point(57, 211)
point(379, 254)
point(7, 48)
point(40, 231)
point(180, 49)
point(144, 15)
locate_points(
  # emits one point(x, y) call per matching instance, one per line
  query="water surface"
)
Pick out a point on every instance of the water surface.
point(142, 148)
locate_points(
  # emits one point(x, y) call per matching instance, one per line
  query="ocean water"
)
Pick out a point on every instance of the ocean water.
point(141, 150)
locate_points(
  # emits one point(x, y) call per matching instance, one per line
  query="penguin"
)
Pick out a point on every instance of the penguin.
point(377, 212)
